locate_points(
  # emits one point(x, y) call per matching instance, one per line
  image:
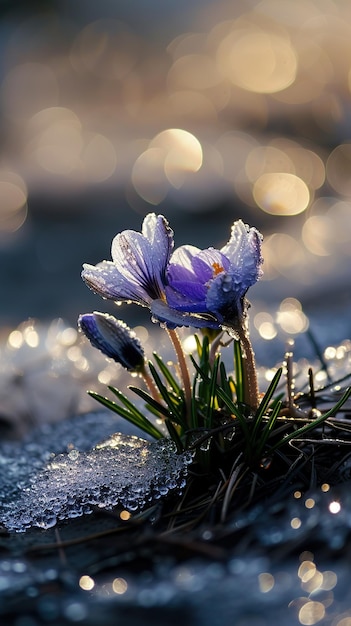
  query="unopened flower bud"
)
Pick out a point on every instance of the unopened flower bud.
point(113, 338)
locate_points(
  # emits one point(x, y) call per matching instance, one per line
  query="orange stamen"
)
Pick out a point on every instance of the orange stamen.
point(217, 268)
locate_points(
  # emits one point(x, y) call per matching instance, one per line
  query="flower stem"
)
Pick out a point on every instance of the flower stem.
point(173, 335)
point(214, 347)
point(249, 369)
point(154, 393)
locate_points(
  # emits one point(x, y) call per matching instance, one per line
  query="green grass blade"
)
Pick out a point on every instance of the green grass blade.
point(235, 411)
point(128, 404)
point(262, 409)
point(225, 380)
point(200, 371)
point(203, 349)
point(144, 424)
point(212, 394)
point(314, 423)
point(159, 408)
point(167, 374)
point(194, 405)
point(268, 428)
point(174, 435)
point(175, 405)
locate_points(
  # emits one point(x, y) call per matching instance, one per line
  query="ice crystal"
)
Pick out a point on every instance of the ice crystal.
point(39, 484)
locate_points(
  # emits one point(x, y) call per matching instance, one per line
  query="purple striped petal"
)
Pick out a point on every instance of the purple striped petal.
point(244, 253)
point(214, 281)
point(137, 272)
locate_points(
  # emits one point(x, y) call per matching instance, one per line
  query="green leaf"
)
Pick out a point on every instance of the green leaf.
point(268, 429)
point(129, 404)
point(236, 411)
point(212, 393)
point(313, 423)
point(174, 435)
point(225, 380)
point(143, 424)
point(175, 404)
point(262, 409)
point(157, 406)
point(167, 374)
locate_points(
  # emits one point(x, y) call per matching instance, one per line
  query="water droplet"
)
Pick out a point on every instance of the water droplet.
point(73, 455)
point(226, 283)
point(122, 470)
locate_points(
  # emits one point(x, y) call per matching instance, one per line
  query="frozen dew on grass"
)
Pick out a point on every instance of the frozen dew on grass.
point(40, 483)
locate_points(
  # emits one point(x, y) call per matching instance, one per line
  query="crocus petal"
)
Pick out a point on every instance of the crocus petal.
point(214, 282)
point(195, 264)
point(157, 231)
point(138, 270)
point(187, 296)
point(225, 300)
point(183, 257)
point(113, 338)
point(188, 286)
point(106, 280)
point(209, 263)
point(244, 253)
point(143, 257)
point(172, 318)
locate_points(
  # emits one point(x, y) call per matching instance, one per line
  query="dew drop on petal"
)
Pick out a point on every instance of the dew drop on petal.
point(227, 284)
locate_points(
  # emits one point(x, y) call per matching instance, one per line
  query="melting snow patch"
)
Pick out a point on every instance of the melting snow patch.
point(43, 486)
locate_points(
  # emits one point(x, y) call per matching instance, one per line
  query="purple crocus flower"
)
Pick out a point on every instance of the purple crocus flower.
point(212, 283)
point(137, 272)
point(113, 338)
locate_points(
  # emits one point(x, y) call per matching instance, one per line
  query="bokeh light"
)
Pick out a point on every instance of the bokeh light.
point(13, 206)
point(339, 169)
point(170, 156)
point(291, 318)
point(257, 60)
point(281, 194)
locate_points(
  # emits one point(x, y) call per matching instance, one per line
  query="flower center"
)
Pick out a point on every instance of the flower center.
point(217, 268)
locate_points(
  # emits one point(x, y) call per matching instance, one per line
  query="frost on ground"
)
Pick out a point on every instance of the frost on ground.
point(40, 484)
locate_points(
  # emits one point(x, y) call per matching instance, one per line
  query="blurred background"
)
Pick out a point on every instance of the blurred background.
point(205, 111)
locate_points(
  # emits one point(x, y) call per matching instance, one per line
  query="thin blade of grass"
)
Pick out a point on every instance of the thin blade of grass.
point(261, 411)
point(174, 435)
point(128, 404)
point(158, 408)
point(194, 405)
point(155, 405)
point(167, 374)
point(144, 425)
point(314, 423)
point(225, 380)
point(200, 371)
point(235, 411)
point(268, 428)
point(212, 394)
point(175, 408)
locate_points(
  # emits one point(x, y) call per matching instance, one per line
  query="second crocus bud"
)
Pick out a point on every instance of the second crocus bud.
point(114, 339)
